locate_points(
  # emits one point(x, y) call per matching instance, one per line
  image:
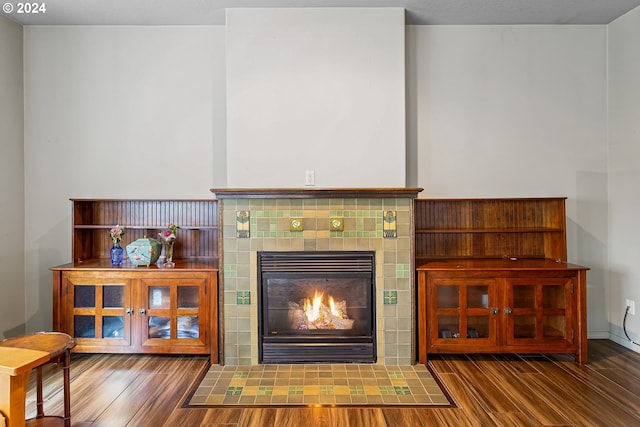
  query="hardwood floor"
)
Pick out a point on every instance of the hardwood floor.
point(489, 390)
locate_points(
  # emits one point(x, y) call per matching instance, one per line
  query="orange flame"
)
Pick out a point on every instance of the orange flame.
point(332, 307)
point(312, 308)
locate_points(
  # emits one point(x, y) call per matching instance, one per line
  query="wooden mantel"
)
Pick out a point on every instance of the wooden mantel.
point(315, 193)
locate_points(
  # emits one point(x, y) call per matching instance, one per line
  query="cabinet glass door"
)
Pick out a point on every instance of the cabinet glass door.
point(174, 310)
point(101, 311)
point(539, 310)
point(462, 312)
point(159, 298)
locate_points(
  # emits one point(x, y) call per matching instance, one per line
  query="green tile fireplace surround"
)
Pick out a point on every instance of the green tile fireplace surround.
point(269, 213)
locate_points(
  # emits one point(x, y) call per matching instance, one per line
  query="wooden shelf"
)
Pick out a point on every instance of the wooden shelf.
point(197, 238)
point(490, 228)
point(140, 227)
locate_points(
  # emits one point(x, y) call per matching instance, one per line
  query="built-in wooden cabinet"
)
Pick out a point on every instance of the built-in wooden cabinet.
point(129, 309)
point(493, 278)
point(138, 310)
point(502, 306)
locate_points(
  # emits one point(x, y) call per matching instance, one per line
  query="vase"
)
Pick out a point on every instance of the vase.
point(168, 253)
point(116, 254)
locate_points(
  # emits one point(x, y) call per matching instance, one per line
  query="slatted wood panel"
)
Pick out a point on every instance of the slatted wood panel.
point(490, 228)
point(197, 237)
point(503, 390)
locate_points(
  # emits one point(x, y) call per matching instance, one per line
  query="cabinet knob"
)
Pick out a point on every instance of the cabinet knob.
point(129, 311)
point(508, 310)
point(495, 310)
point(142, 312)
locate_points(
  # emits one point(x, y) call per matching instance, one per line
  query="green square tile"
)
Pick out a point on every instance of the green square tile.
point(387, 390)
point(402, 390)
point(265, 391)
point(390, 297)
point(326, 390)
point(396, 374)
point(234, 391)
point(356, 390)
point(296, 390)
point(243, 297)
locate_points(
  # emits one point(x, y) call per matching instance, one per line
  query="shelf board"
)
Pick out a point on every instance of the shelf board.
point(141, 227)
point(488, 230)
point(105, 264)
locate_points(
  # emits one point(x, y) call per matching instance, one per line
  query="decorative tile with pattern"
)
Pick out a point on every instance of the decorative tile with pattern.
point(330, 384)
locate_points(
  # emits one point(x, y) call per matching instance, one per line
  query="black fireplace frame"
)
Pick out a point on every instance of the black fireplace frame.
point(330, 347)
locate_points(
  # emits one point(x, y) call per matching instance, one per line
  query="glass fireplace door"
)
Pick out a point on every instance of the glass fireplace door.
point(316, 307)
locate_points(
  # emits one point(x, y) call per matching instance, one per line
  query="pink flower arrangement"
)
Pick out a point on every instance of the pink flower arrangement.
point(169, 234)
point(116, 234)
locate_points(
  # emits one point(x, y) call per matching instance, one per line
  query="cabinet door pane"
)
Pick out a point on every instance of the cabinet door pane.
point(113, 327)
point(553, 327)
point(188, 327)
point(84, 296)
point(113, 296)
point(159, 297)
point(478, 327)
point(477, 296)
point(553, 296)
point(188, 297)
point(448, 296)
point(524, 327)
point(159, 327)
point(448, 326)
point(524, 296)
point(84, 326)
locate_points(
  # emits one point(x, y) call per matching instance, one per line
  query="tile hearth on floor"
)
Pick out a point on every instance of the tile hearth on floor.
point(320, 384)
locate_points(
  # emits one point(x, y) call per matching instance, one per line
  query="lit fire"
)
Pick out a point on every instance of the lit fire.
point(316, 313)
point(312, 309)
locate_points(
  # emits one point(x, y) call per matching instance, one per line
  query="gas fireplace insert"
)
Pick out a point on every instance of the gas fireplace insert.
point(316, 307)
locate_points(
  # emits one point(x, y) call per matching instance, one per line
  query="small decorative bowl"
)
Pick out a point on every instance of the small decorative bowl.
point(145, 251)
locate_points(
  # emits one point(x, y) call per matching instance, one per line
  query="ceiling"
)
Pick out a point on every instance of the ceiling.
point(425, 12)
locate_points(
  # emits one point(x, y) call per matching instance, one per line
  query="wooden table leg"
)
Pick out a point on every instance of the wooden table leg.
point(13, 392)
point(39, 398)
point(66, 365)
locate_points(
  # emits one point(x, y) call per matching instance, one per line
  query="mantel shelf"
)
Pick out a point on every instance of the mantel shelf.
point(314, 193)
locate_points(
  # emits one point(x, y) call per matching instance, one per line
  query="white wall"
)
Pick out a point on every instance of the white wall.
point(516, 111)
point(140, 112)
point(114, 112)
point(624, 174)
point(12, 299)
point(317, 89)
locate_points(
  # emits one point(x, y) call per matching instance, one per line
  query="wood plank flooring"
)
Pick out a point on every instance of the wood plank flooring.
point(489, 390)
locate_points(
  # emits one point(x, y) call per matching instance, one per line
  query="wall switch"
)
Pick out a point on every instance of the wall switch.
point(632, 307)
point(310, 178)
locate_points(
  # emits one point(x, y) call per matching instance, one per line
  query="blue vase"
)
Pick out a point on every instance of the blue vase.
point(116, 254)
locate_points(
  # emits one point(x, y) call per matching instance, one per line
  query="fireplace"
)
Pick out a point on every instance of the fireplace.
point(316, 307)
point(268, 214)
